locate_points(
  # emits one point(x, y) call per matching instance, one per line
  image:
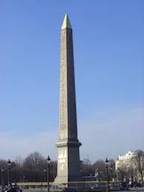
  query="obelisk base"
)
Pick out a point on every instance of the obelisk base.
point(68, 169)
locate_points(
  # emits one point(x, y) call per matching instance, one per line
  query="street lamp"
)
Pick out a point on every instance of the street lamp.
point(111, 173)
point(45, 174)
point(48, 169)
point(135, 172)
point(107, 184)
point(2, 170)
point(9, 164)
point(118, 174)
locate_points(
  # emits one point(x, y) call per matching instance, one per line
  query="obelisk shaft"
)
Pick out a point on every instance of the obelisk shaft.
point(68, 144)
point(68, 120)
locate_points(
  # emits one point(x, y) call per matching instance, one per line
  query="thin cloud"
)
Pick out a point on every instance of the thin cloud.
point(113, 136)
point(110, 137)
point(12, 145)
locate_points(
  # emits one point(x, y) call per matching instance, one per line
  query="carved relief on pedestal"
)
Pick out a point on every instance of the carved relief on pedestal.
point(62, 158)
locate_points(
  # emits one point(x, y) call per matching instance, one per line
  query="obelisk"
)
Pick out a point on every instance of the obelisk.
point(68, 165)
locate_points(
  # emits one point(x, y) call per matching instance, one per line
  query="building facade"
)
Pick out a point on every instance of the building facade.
point(130, 166)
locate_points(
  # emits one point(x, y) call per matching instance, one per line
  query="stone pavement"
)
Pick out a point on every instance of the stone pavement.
point(130, 190)
point(137, 189)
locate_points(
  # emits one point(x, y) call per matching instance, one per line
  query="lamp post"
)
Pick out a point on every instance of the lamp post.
point(9, 164)
point(48, 169)
point(2, 170)
point(118, 174)
point(135, 182)
point(107, 177)
point(45, 174)
point(111, 172)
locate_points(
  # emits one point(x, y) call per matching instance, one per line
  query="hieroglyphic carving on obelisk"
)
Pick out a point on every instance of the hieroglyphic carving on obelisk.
point(68, 166)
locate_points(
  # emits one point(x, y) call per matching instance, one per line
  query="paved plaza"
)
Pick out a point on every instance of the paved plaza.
point(130, 190)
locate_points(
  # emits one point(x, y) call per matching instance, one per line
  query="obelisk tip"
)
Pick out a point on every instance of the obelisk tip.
point(66, 22)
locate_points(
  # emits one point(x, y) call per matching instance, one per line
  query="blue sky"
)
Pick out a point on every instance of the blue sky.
point(109, 70)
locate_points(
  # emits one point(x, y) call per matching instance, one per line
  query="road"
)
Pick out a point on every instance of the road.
point(130, 190)
point(133, 190)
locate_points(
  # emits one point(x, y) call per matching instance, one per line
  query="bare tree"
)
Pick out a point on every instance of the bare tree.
point(87, 168)
point(139, 163)
point(100, 169)
point(33, 166)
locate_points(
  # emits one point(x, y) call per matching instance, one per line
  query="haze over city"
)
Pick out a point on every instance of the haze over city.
point(109, 65)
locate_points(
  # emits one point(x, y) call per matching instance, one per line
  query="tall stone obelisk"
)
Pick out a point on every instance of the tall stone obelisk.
point(68, 166)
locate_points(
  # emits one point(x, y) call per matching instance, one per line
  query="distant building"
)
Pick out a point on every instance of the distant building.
point(124, 160)
point(130, 166)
